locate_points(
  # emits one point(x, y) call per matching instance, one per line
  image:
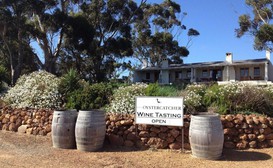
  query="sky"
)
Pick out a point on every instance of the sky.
point(216, 21)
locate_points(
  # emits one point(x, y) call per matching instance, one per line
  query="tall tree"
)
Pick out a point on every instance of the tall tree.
point(154, 35)
point(48, 19)
point(108, 38)
point(13, 34)
point(258, 24)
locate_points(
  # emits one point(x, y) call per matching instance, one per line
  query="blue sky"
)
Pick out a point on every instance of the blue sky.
point(216, 20)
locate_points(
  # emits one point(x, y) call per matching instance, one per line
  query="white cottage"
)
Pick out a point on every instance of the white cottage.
point(254, 71)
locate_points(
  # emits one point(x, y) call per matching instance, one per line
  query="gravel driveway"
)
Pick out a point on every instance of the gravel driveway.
point(22, 150)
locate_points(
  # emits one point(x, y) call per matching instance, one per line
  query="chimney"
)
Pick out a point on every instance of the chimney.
point(165, 63)
point(229, 58)
point(267, 54)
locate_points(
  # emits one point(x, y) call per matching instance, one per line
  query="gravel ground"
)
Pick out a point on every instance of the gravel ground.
point(22, 150)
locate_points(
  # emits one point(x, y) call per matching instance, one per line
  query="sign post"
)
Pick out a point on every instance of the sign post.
point(166, 111)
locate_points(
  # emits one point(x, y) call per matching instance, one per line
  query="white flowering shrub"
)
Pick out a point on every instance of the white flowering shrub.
point(193, 96)
point(36, 90)
point(124, 98)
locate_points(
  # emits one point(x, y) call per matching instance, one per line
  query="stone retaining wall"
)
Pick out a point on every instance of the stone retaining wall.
point(241, 131)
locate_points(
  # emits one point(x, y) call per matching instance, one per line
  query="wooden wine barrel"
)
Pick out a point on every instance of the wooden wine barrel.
point(206, 136)
point(63, 129)
point(90, 130)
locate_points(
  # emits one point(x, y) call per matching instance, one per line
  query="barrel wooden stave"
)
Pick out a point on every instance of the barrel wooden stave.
point(90, 130)
point(206, 136)
point(63, 129)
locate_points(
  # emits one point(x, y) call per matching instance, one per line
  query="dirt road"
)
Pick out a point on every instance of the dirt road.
point(21, 150)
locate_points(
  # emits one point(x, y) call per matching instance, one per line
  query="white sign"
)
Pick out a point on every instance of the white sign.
point(159, 111)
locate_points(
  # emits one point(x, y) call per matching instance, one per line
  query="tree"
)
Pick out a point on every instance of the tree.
point(259, 24)
point(154, 37)
point(13, 28)
point(106, 38)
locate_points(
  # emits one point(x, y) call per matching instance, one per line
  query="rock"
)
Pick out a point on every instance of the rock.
point(252, 144)
point(229, 145)
point(267, 130)
point(153, 134)
point(163, 135)
point(144, 134)
point(229, 117)
point(7, 116)
point(143, 127)
point(42, 132)
point(157, 143)
point(244, 125)
point(29, 121)
point(164, 129)
point(251, 136)
point(144, 140)
point(256, 120)
point(186, 124)
point(12, 127)
point(174, 133)
point(243, 136)
point(261, 137)
point(128, 143)
point(187, 146)
point(5, 120)
point(263, 120)
point(242, 145)
point(249, 120)
point(270, 142)
point(132, 136)
point(29, 131)
point(23, 113)
point(126, 122)
point(262, 145)
point(179, 139)
point(170, 139)
point(48, 128)
point(229, 124)
point(248, 130)
point(13, 119)
point(175, 146)
point(230, 131)
point(5, 127)
point(269, 136)
point(115, 140)
point(256, 131)
point(22, 129)
point(155, 130)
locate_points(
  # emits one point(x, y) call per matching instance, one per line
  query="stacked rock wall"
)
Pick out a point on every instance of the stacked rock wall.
point(30, 121)
point(241, 131)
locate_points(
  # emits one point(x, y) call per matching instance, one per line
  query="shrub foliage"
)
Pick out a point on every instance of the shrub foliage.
point(36, 90)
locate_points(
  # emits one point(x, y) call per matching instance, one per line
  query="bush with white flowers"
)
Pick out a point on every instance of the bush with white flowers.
point(36, 90)
point(124, 98)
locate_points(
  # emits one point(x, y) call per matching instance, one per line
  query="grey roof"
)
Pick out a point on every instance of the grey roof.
point(208, 64)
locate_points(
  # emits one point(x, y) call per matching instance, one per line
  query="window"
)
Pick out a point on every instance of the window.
point(178, 75)
point(244, 72)
point(205, 73)
point(148, 75)
point(219, 73)
point(256, 71)
point(188, 74)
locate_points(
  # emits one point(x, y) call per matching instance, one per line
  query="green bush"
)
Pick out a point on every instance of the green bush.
point(69, 82)
point(36, 90)
point(124, 98)
point(93, 96)
point(154, 89)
